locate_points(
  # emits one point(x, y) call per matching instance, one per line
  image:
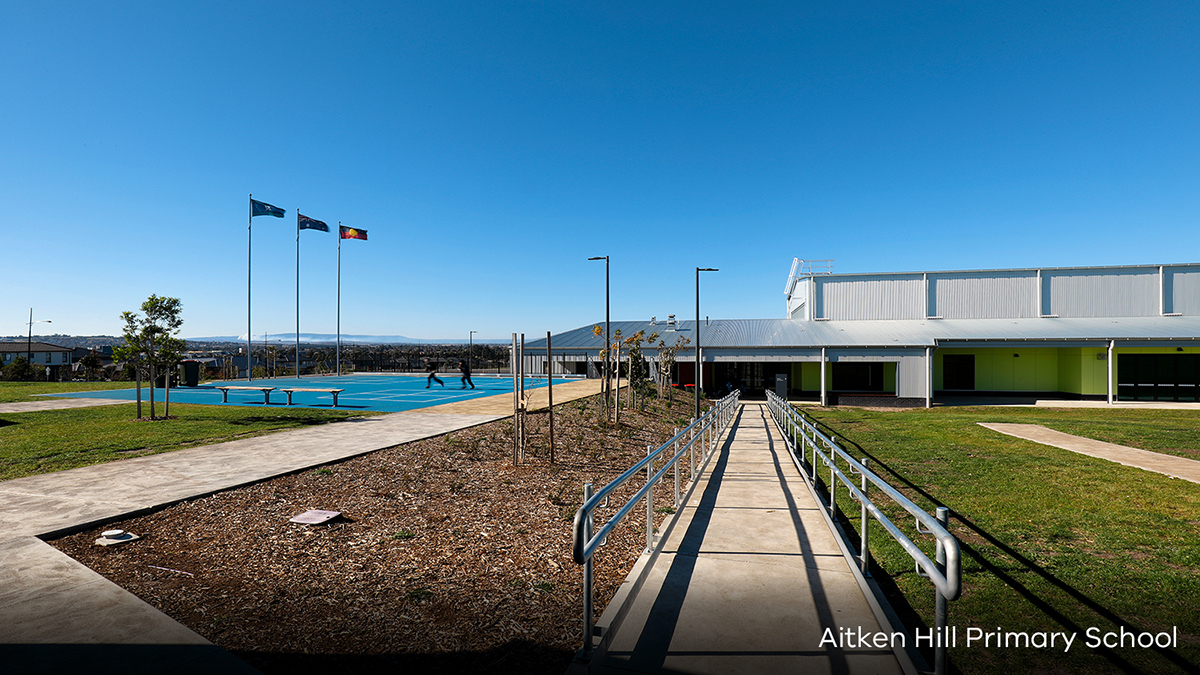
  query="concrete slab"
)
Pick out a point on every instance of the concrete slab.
point(54, 612)
point(748, 578)
point(1170, 465)
point(57, 404)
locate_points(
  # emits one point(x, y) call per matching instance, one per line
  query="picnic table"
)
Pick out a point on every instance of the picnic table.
point(289, 390)
point(265, 390)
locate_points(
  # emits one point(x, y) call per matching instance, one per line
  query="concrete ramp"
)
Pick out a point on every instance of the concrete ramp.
point(748, 579)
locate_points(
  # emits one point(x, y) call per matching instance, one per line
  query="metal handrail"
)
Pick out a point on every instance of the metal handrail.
point(945, 572)
point(702, 433)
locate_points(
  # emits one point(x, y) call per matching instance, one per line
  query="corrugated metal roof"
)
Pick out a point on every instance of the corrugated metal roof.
point(730, 333)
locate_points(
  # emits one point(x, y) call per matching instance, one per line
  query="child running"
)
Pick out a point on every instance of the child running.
point(432, 370)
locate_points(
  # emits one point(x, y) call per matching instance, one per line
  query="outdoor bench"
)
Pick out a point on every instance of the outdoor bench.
point(289, 391)
point(265, 390)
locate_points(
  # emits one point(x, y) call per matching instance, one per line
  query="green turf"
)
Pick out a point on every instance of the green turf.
point(14, 392)
point(53, 440)
point(1051, 540)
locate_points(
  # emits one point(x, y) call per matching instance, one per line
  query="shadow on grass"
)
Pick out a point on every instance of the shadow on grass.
point(517, 656)
point(1006, 576)
point(5, 423)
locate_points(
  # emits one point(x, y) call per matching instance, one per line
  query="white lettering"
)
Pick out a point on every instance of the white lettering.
point(927, 638)
point(827, 639)
point(974, 634)
point(1069, 639)
point(1016, 639)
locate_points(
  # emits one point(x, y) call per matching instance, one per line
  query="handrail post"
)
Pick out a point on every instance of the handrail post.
point(649, 502)
point(939, 613)
point(832, 484)
point(587, 579)
point(691, 443)
point(864, 544)
point(675, 461)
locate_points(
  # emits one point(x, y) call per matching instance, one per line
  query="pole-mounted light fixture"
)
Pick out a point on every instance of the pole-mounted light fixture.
point(697, 386)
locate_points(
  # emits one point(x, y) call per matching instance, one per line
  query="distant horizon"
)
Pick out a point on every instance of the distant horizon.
point(285, 339)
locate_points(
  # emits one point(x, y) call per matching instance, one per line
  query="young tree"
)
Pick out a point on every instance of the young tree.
point(91, 365)
point(666, 362)
point(150, 341)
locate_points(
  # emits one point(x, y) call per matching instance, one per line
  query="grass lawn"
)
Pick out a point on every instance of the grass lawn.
point(54, 440)
point(15, 392)
point(1051, 540)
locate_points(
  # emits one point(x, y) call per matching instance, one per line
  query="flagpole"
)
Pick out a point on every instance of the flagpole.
point(249, 239)
point(297, 292)
point(339, 301)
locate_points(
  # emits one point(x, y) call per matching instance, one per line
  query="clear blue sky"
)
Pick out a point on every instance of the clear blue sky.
point(490, 147)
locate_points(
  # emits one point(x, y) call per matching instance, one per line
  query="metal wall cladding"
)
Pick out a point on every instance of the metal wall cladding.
point(878, 297)
point(984, 295)
point(1095, 293)
point(1181, 290)
point(911, 377)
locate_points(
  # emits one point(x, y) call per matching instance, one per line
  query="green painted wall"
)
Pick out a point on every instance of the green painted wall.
point(1008, 368)
point(1071, 370)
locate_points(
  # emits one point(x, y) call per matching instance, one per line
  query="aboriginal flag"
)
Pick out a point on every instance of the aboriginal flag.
point(258, 208)
point(353, 233)
point(306, 223)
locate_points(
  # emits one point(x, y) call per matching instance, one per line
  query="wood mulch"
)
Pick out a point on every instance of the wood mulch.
point(446, 558)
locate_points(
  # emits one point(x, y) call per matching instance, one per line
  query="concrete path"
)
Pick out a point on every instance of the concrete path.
point(57, 404)
point(748, 579)
point(1170, 465)
point(502, 404)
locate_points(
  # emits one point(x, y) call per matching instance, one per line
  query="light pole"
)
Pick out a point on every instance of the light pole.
point(470, 348)
point(607, 338)
point(697, 386)
point(29, 338)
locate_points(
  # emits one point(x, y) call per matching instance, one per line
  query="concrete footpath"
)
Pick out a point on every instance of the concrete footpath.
point(58, 616)
point(1170, 465)
point(748, 579)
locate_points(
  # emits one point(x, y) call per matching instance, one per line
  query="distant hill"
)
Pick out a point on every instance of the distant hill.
point(70, 341)
point(90, 341)
point(331, 338)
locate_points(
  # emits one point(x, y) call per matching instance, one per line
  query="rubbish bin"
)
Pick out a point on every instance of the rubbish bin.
point(191, 373)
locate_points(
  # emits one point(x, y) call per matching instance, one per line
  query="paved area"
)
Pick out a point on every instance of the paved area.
point(1170, 465)
point(748, 579)
point(537, 399)
point(57, 404)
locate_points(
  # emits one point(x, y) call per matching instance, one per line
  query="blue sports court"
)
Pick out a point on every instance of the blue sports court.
point(384, 393)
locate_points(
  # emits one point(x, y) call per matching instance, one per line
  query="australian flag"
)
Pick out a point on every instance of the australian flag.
point(306, 223)
point(258, 208)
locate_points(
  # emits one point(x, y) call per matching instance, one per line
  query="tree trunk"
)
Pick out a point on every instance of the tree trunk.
point(152, 376)
point(138, 375)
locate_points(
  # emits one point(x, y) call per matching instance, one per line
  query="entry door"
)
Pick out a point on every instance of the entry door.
point(958, 372)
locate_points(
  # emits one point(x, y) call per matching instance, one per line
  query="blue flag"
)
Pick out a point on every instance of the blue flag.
point(258, 208)
point(306, 223)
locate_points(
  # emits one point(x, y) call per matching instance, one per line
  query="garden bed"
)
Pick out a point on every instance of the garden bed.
point(447, 557)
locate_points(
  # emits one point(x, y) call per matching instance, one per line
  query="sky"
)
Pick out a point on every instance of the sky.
point(490, 148)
